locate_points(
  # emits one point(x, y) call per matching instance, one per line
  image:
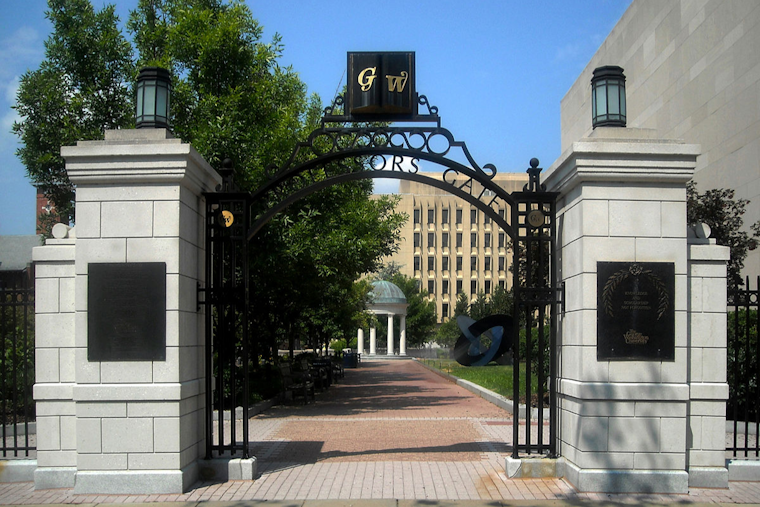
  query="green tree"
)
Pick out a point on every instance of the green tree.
point(230, 98)
point(81, 89)
point(718, 209)
point(447, 333)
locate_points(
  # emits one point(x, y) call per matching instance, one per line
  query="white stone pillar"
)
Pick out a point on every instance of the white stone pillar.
point(390, 334)
point(55, 377)
point(372, 340)
point(623, 424)
point(402, 338)
point(360, 341)
point(708, 387)
point(138, 426)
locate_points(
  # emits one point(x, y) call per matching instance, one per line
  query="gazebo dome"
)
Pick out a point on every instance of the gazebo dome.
point(384, 292)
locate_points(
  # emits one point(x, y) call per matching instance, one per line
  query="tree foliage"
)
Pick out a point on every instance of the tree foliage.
point(718, 209)
point(80, 89)
point(230, 98)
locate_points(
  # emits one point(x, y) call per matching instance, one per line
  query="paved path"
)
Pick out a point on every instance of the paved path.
point(389, 430)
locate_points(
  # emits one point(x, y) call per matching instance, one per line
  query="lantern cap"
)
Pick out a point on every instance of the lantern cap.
point(154, 73)
point(608, 71)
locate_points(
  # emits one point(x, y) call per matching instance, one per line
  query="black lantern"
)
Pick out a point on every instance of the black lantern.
point(153, 85)
point(608, 97)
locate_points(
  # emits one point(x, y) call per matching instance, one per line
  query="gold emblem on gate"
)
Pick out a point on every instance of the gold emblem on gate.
point(227, 218)
point(536, 218)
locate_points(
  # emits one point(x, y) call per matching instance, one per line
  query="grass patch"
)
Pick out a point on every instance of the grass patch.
point(494, 377)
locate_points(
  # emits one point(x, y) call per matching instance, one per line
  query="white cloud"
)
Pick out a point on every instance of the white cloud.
point(10, 89)
point(22, 50)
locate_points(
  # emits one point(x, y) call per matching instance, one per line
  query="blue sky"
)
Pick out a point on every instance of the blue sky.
point(497, 70)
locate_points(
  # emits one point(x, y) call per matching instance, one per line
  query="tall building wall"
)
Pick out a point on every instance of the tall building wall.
point(451, 246)
point(692, 72)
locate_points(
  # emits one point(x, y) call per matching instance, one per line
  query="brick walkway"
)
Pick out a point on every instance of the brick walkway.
point(389, 430)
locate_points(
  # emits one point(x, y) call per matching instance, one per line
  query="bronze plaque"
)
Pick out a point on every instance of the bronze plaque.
point(635, 311)
point(381, 85)
point(126, 311)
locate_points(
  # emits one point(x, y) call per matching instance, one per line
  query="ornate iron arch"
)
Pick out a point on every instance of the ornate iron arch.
point(380, 152)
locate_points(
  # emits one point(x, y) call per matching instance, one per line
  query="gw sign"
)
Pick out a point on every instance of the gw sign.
point(381, 86)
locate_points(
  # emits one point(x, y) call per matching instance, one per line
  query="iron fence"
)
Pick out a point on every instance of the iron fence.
point(17, 367)
point(743, 406)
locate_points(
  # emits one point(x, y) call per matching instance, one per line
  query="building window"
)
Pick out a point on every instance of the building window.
point(416, 263)
point(459, 286)
point(501, 283)
point(487, 264)
point(445, 287)
point(431, 239)
point(416, 216)
point(487, 240)
point(474, 263)
point(501, 263)
point(431, 263)
point(459, 264)
point(501, 240)
point(445, 263)
point(486, 219)
point(501, 213)
point(431, 216)
point(474, 287)
point(445, 310)
point(445, 216)
point(459, 216)
point(473, 216)
point(431, 287)
point(488, 287)
point(445, 240)
point(473, 240)
point(459, 240)
point(417, 240)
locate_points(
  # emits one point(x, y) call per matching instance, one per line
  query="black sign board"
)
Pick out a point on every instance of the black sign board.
point(126, 312)
point(381, 86)
point(635, 314)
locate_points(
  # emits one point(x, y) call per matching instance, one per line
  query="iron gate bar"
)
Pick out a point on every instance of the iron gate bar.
point(745, 299)
point(11, 301)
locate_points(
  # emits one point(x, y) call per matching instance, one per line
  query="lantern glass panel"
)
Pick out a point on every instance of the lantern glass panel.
point(161, 101)
point(601, 100)
point(613, 92)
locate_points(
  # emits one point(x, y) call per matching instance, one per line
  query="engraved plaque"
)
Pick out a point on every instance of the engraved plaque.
point(635, 314)
point(126, 314)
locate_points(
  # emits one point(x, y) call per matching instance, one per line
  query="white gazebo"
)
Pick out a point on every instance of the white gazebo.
point(386, 299)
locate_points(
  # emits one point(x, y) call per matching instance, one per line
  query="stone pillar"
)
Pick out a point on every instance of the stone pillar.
point(360, 341)
point(708, 388)
point(55, 350)
point(390, 334)
point(138, 425)
point(402, 339)
point(623, 424)
point(372, 340)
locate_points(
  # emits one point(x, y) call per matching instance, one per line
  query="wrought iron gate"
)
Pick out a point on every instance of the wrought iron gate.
point(234, 218)
point(17, 366)
point(743, 371)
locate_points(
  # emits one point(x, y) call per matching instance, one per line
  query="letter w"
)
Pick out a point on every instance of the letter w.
point(397, 83)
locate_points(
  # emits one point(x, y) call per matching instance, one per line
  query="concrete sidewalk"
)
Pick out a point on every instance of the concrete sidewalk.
point(390, 433)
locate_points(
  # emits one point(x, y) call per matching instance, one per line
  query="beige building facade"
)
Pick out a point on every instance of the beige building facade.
point(692, 72)
point(451, 246)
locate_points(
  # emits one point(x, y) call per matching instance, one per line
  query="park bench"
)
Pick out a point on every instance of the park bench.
point(296, 383)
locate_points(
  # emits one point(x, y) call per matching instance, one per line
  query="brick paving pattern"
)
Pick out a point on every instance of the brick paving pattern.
point(389, 430)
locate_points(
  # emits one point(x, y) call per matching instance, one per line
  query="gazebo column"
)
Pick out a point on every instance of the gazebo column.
point(372, 341)
point(402, 338)
point(390, 334)
point(360, 341)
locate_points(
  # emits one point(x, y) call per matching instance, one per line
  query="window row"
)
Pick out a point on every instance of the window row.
point(445, 287)
point(458, 240)
point(459, 263)
point(457, 216)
